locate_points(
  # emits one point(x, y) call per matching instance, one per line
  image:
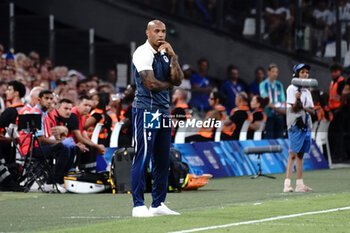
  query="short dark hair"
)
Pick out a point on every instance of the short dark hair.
point(220, 96)
point(262, 101)
point(202, 60)
point(68, 101)
point(272, 65)
point(2, 83)
point(231, 67)
point(60, 81)
point(44, 92)
point(18, 86)
point(81, 81)
point(82, 97)
point(335, 67)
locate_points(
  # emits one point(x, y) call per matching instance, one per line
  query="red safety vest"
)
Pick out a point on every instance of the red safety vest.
point(26, 109)
point(54, 119)
point(81, 119)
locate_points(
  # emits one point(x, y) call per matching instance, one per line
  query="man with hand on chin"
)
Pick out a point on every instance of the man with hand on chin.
point(156, 71)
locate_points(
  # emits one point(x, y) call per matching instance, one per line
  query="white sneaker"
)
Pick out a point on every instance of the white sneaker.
point(141, 212)
point(162, 210)
point(34, 187)
point(50, 188)
point(47, 188)
point(61, 188)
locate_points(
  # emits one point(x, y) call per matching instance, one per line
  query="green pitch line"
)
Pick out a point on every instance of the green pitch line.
point(222, 201)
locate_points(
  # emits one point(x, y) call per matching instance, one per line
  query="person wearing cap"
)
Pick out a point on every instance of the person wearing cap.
point(299, 107)
point(275, 110)
point(10, 58)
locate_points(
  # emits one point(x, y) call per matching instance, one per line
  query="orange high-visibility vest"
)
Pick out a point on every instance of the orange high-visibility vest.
point(208, 132)
point(334, 98)
point(229, 129)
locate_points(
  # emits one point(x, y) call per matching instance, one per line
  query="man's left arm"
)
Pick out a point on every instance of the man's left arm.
point(176, 74)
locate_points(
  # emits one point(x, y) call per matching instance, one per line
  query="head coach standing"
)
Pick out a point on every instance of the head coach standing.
point(156, 70)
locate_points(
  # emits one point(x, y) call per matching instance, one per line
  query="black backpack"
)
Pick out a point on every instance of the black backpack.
point(178, 172)
point(121, 170)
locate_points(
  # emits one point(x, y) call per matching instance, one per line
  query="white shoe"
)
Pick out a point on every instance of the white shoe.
point(51, 188)
point(34, 187)
point(47, 188)
point(162, 210)
point(61, 188)
point(141, 212)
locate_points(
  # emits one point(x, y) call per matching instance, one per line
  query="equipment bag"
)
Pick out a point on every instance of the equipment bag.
point(121, 170)
point(178, 172)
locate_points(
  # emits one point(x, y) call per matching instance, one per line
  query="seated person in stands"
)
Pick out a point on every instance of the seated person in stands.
point(322, 111)
point(217, 114)
point(124, 114)
point(15, 91)
point(257, 105)
point(181, 111)
point(34, 98)
point(102, 114)
point(74, 119)
point(319, 111)
point(233, 124)
point(50, 147)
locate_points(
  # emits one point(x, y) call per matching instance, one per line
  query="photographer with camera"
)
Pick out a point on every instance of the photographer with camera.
point(299, 108)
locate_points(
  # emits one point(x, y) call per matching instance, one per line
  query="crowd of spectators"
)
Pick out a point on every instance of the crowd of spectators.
point(78, 103)
point(280, 19)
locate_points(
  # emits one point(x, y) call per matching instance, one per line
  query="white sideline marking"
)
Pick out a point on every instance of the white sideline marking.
point(92, 217)
point(261, 220)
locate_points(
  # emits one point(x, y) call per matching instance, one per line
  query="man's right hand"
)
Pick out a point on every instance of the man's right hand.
point(101, 149)
point(82, 147)
point(298, 95)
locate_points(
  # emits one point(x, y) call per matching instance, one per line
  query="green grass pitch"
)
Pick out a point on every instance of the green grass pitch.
point(222, 201)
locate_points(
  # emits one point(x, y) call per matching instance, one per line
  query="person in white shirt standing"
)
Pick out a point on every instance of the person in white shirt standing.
point(299, 108)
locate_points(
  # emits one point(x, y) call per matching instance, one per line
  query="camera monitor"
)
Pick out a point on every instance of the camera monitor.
point(29, 122)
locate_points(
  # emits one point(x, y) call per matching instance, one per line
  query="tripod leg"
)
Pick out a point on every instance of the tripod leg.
point(50, 174)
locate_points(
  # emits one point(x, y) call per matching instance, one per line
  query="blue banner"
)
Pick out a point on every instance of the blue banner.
point(226, 158)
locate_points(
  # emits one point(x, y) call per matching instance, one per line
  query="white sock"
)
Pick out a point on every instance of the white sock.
point(300, 182)
point(287, 182)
